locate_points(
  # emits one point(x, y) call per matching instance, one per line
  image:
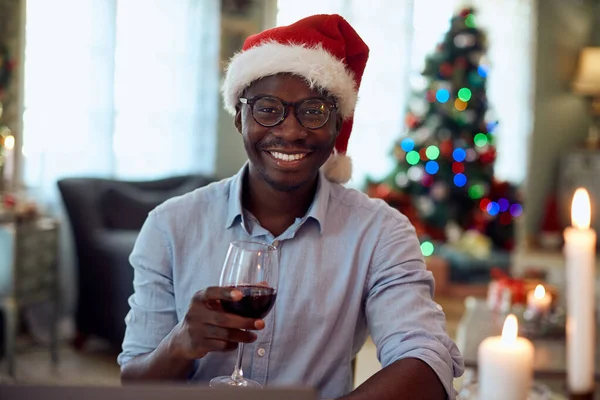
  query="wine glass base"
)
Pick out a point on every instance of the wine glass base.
point(226, 381)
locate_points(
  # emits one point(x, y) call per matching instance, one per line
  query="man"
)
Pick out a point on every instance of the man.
point(350, 266)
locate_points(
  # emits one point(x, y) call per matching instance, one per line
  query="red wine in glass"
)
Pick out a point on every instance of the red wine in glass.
point(253, 269)
point(256, 301)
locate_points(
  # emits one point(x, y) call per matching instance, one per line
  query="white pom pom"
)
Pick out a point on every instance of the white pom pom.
point(338, 168)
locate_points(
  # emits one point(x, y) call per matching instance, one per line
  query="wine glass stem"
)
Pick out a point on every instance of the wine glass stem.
point(238, 373)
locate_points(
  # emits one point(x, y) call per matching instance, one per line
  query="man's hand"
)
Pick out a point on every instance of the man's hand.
point(206, 327)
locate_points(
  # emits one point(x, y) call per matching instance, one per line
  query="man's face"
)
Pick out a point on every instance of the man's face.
point(286, 156)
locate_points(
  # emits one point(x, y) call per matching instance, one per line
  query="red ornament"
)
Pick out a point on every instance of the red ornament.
point(465, 12)
point(427, 180)
point(382, 191)
point(446, 70)
point(9, 201)
point(488, 157)
point(430, 96)
point(461, 63)
point(483, 204)
point(423, 154)
point(458, 167)
point(411, 121)
point(551, 221)
point(480, 221)
point(446, 148)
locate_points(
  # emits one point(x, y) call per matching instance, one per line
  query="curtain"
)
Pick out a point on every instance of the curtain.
point(401, 34)
point(118, 88)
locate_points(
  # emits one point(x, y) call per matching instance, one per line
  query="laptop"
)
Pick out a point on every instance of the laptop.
point(151, 392)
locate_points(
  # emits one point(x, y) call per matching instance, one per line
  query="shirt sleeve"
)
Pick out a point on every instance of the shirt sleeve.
point(152, 313)
point(404, 321)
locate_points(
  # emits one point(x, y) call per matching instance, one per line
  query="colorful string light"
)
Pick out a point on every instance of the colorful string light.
point(476, 192)
point(480, 140)
point(471, 155)
point(427, 248)
point(464, 94)
point(442, 95)
point(482, 71)
point(516, 210)
point(413, 157)
point(504, 205)
point(459, 155)
point(460, 105)
point(470, 21)
point(407, 144)
point(432, 167)
point(415, 173)
point(432, 152)
point(460, 180)
point(493, 208)
point(491, 126)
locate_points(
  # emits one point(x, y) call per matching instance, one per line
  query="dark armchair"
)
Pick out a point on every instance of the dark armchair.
point(106, 217)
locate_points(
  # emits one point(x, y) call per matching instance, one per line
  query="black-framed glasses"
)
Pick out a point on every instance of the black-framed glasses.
point(269, 111)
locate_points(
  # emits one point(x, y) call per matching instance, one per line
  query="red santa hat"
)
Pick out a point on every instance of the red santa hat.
point(323, 49)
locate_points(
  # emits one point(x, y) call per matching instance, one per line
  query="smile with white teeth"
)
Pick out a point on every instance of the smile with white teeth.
point(287, 157)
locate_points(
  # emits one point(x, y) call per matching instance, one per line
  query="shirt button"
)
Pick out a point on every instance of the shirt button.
point(261, 352)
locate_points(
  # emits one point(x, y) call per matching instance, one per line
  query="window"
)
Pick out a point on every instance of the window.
point(127, 89)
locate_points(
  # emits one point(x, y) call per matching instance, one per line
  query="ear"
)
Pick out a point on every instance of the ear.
point(237, 121)
point(338, 125)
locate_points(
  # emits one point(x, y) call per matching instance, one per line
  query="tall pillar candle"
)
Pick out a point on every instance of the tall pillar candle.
point(579, 251)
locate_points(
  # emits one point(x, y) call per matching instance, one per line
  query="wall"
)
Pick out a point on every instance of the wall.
point(230, 150)
point(561, 118)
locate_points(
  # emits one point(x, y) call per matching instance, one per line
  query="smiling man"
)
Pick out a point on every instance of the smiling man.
point(350, 266)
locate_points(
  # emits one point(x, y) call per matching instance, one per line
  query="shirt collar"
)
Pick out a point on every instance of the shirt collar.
point(316, 211)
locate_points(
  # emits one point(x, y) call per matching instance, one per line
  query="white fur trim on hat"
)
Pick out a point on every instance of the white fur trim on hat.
point(338, 168)
point(319, 67)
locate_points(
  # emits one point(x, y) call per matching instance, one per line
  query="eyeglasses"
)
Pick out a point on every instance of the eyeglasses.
point(270, 111)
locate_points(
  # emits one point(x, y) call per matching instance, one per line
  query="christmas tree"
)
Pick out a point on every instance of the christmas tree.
point(444, 176)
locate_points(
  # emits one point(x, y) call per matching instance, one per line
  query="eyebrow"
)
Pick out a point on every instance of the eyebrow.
point(331, 99)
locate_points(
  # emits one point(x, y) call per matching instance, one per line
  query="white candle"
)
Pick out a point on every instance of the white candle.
point(505, 365)
point(538, 300)
point(579, 250)
point(9, 158)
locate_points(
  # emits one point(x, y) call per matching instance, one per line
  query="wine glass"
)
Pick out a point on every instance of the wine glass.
point(253, 269)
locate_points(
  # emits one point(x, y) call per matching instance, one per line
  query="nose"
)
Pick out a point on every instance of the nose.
point(290, 129)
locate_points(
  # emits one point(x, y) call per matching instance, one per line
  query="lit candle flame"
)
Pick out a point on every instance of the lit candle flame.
point(510, 329)
point(580, 209)
point(539, 292)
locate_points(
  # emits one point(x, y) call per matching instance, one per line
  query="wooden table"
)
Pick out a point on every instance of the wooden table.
point(479, 322)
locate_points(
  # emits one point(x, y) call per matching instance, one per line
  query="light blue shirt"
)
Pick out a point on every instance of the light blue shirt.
point(351, 267)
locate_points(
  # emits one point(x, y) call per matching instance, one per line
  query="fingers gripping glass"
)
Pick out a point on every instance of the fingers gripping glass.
point(253, 269)
point(270, 111)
